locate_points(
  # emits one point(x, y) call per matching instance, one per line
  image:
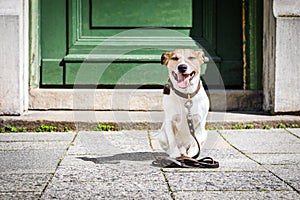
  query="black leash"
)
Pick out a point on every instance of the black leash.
point(189, 119)
point(168, 162)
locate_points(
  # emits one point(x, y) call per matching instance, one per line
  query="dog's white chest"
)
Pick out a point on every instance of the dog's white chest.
point(181, 129)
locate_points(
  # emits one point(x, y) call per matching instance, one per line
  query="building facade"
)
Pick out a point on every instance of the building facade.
point(105, 55)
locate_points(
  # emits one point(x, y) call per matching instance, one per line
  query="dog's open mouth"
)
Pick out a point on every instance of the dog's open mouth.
point(183, 80)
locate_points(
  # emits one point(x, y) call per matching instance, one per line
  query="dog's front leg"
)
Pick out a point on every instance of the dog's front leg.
point(167, 140)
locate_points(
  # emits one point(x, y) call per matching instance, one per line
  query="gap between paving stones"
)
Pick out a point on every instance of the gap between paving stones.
point(58, 164)
point(28, 162)
point(263, 189)
point(264, 165)
point(88, 174)
point(170, 177)
point(161, 169)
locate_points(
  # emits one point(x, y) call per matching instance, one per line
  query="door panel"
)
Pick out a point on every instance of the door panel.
point(136, 13)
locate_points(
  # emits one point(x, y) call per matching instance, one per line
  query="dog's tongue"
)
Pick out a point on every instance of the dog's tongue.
point(183, 80)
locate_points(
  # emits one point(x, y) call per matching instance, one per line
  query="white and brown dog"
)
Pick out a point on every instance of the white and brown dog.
point(184, 79)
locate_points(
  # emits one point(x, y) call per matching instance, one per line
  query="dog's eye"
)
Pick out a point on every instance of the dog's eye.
point(175, 58)
point(191, 58)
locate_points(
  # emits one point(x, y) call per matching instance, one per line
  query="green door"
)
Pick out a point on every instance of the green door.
point(112, 43)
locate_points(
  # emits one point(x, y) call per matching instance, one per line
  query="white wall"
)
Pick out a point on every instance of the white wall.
point(287, 57)
point(13, 56)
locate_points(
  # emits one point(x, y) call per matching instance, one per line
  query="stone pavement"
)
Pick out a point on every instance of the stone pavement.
point(254, 164)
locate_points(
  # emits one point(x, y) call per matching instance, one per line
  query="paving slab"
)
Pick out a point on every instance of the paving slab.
point(263, 141)
point(124, 189)
point(114, 165)
point(236, 195)
point(128, 179)
point(289, 173)
point(130, 170)
point(36, 137)
point(19, 195)
point(225, 181)
point(216, 147)
point(109, 165)
point(109, 143)
point(11, 182)
point(277, 159)
point(295, 131)
point(27, 145)
point(30, 161)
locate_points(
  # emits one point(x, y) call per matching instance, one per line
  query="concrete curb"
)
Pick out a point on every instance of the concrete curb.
point(129, 120)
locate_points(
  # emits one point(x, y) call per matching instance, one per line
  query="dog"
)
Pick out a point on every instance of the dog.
point(175, 137)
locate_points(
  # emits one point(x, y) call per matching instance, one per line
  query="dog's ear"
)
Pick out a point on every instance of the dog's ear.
point(165, 58)
point(202, 57)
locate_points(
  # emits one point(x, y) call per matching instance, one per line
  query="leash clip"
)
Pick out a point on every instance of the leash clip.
point(188, 105)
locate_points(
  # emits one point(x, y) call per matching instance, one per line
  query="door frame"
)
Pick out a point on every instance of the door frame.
point(251, 98)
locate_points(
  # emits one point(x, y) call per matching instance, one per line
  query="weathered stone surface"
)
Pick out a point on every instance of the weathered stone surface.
point(128, 189)
point(289, 173)
point(277, 159)
point(229, 161)
point(30, 161)
point(36, 137)
point(287, 60)
point(19, 195)
point(295, 131)
point(263, 141)
point(10, 92)
point(9, 146)
point(286, 8)
point(124, 170)
point(236, 195)
point(90, 99)
point(135, 100)
point(225, 181)
point(11, 182)
point(14, 57)
point(136, 120)
point(110, 143)
point(118, 165)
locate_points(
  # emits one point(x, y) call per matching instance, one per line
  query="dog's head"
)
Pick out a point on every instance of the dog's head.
point(183, 65)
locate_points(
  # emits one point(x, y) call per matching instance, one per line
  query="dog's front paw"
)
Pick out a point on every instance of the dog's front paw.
point(174, 154)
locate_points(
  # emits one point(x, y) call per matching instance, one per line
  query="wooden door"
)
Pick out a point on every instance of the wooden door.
point(119, 42)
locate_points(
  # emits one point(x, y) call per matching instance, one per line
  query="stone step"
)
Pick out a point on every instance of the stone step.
point(88, 120)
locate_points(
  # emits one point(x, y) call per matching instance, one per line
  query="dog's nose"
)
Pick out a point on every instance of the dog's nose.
point(182, 68)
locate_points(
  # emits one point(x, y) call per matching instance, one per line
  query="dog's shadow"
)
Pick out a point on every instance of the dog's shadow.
point(117, 158)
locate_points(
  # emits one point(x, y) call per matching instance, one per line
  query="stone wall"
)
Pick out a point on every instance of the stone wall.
point(280, 71)
point(13, 56)
point(281, 56)
point(287, 72)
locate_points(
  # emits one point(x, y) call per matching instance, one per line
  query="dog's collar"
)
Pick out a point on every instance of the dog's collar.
point(181, 94)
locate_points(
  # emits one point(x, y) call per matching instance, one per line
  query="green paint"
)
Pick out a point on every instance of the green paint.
point(74, 31)
point(137, 13)
point(115, 73)
point(254, 29)
point(52, 72)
